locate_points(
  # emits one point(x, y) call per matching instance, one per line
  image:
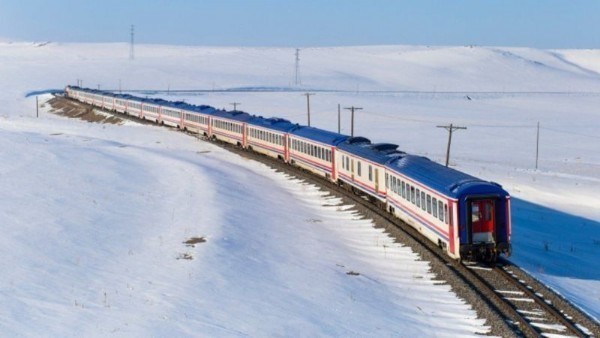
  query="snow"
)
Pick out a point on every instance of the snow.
point(97, 213)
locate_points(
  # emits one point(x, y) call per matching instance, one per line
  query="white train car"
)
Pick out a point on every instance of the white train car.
point(197, 119)
point(314, 149)
point(269, 136)
point(361, 165)
point(229, 127)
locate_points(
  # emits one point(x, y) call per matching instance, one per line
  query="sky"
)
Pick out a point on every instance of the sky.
point(307, 23)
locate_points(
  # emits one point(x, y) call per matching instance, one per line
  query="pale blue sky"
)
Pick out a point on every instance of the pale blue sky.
point(531, 23)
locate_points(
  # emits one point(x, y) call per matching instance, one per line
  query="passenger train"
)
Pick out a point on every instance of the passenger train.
point(465, 216)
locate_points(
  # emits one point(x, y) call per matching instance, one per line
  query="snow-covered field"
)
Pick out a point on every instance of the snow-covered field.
point(94, 216)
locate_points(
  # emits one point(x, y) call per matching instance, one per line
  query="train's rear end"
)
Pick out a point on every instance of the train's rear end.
point(484, 224)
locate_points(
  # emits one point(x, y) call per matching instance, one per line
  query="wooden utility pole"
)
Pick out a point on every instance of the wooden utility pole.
point(339, 118)
point(352, 109)
point(537, 146)
point(451, 128)
point(37, 109)
point(235, 104)
point(308, 105)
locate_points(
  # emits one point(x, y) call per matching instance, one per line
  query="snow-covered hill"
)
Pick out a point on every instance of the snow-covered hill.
point(96, 214)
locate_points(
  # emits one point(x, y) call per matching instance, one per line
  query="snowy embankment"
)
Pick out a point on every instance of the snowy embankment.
point(93, 238)
point(499, 94)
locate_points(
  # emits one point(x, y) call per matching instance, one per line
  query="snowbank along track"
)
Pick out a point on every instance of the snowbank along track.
point(512, 306)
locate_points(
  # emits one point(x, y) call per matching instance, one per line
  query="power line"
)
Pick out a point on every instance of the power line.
point(451, 128)
point(352, 109)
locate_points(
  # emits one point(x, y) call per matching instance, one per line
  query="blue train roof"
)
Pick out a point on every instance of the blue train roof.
point(319, 135)
point(204, 109)
point(279, 124)
point(233, 115)
point(379, 153)
point(447, 181)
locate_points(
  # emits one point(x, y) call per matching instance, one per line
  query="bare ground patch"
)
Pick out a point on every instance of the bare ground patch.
point(194, 240)
point(64, 107)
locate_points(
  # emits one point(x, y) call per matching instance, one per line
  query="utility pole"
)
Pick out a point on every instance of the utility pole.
point(235, 104)
point(131, 55)
point(120, 86)
point(297, 65)
point(339, 118)
point(37, 108)
point(352, 109)
point(537, 146)
point(98, 87)
point(451, 128)
point(308, 105)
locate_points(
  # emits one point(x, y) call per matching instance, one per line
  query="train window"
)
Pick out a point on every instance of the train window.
point(403, 190)
point(412, 194)
point(387, 178)
point(450, 216)
point(347, 163)
point(434, 205)
point(370, 173)
point(418, 198)
point(446, 212)
point(358, 167)
point(440, 209)
point(429, 204)
point(423, 200)
point(394, 184)
point(318, 152)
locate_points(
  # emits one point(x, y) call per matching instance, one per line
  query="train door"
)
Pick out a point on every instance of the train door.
point(482, 220)
point(352, 168)
point(376, 180)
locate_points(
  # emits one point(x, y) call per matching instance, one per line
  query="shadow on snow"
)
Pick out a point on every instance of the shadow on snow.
point(555, 243)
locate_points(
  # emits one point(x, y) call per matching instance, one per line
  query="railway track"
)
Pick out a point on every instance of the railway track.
point(513, 303)
point(520, 308)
